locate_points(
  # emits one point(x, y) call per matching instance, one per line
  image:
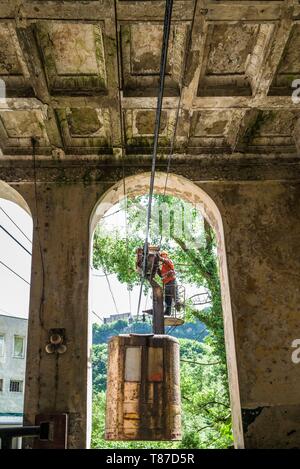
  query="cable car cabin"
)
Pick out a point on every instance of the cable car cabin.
point(143, 388)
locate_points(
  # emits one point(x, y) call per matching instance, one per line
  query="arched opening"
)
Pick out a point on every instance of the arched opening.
point(15, 268)
point(191, 193)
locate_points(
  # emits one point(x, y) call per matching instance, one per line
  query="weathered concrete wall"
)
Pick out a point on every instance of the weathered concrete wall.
point(261, 231)
point(59, 299)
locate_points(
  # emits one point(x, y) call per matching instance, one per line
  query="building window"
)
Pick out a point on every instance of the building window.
point(18, 346)
point(1, 385)
point(1, 345)
point(15, 386)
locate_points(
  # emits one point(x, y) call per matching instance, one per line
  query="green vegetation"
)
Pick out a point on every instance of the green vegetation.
point(204, 382)
point(101, 334)
point(206, 412)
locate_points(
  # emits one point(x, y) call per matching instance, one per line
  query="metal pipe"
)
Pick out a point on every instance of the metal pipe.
point(8, 433)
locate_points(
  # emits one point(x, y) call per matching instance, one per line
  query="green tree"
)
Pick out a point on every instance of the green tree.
point(205, 414)
point(99, 367)
point(192, 245)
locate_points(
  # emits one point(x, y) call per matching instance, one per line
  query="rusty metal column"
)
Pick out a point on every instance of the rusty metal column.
point(158, 308)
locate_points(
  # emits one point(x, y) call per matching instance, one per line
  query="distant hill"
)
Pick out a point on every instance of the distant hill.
point(190, 330)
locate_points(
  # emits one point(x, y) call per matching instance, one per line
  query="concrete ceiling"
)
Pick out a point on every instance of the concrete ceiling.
point(59, 62)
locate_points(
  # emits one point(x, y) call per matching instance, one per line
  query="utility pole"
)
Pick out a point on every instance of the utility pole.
point(151, 264)
point(158, 323)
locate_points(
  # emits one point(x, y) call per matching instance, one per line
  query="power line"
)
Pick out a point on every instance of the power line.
point(97, 315)
point(6, 312)
point(203, 364)
point(188, 47)
point(123, 147)
point(100, 275)
point(162, 72)
point(111, 214)
point(34, 142)
point(111, 292)
point(16, 241)
point(167, 24)
point(15, 273)
point(17, 226)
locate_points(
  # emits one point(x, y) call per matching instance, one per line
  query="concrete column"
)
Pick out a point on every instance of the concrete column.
point(262, 234)
point(59, 299)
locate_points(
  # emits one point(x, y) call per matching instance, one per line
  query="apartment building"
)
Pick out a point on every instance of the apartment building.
point(13, 336)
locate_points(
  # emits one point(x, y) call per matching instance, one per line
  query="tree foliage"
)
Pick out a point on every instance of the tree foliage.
point(191, 244)
point(206, 415)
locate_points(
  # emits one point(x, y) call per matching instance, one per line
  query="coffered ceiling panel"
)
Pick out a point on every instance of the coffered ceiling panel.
point(85, 129)
point(289, 68)
point(141, 55)
point(13, 69)
point(73, 56)
point(81, 77)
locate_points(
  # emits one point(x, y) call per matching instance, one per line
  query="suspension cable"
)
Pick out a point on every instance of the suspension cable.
point(123, 148)
point(34, 142)
point(162, 72)
point(181, 85)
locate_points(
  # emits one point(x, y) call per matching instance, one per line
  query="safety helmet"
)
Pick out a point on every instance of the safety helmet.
point(164, 254)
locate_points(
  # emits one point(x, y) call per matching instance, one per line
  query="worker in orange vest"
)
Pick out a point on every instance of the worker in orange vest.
point(168, 275)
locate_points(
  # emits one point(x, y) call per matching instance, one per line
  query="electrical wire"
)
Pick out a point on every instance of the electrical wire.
point(123, 148)
point(202, 364)
point(42, 301)
point(166, 33)
point(14, 272)
point(100, 275)
point(5, 312)
point(164, 55)
point(97, 315)
point(111, 214)
point(111, 292)
point(14, 239)
point(181, 84)
point(16, 225)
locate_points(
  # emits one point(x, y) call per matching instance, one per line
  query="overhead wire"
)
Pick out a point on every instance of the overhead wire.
point(181, 85)
point(15, 240)
point(14, 272)
point(111, 214)
point(15, 224)
point(199, 363)
point(162, 72)
point(34, 141)
point(111, 292)
point(101, 275)
point(99, 317)
point(123, 148)
point(166, 33)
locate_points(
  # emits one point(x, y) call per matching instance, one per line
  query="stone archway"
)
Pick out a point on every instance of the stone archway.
point(8, 193)
point(183, 188)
